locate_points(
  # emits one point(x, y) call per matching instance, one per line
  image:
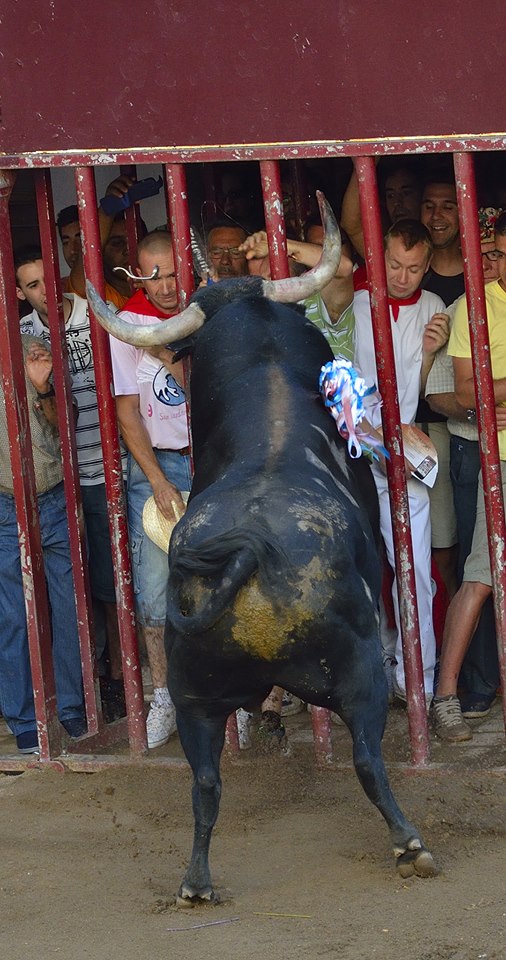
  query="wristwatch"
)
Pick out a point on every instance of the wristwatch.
point(471, 415)
point(47, 394)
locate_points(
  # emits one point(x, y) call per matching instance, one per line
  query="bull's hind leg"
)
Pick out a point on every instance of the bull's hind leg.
point(366, 720)
point(202, 741)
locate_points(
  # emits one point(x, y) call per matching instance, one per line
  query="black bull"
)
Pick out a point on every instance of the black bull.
point(274, 570)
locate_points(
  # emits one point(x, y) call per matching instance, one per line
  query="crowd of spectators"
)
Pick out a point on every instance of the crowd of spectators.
point(426, 291)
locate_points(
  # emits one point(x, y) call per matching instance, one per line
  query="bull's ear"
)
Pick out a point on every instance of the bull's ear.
point(181, 349)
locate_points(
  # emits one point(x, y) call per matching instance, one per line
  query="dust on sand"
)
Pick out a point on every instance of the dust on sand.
point(90, 863)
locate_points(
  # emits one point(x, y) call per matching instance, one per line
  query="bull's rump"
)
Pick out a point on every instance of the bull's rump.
point(299, 568)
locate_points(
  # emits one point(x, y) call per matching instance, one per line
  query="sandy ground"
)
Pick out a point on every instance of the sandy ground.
point(90, 863)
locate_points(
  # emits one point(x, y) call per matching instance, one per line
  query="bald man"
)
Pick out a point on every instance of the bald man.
point(152, 416)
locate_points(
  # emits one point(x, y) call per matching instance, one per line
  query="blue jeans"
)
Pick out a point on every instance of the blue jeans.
point(150, 566)
point(16, 692)
point(480, 670)
point(99, 542)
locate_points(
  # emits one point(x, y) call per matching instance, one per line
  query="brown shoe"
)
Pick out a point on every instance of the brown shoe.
point(449, 723)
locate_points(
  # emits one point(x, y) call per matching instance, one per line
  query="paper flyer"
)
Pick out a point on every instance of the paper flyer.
point(421, 453)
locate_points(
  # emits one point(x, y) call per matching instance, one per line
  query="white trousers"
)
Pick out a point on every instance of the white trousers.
point(419, 512)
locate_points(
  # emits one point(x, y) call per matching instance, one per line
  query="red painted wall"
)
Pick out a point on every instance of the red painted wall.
point(178, 72)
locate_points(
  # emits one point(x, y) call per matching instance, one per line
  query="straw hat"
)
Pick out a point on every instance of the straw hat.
point(156, 526)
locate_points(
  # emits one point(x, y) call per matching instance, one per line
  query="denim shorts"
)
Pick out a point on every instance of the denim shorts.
point(477, 566)
point(150, 566)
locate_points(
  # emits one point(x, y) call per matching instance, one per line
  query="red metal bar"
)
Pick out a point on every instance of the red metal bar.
point(300, 198)
point(209, 177)
point(322, 728)
point(92, 256)
point(179, 219)
point(270, 177)
point(66, 428)
point(292, 150)
point(232, 735)
point(25, 494)
point(132, 218)
point(485, 403)
point(371, 221)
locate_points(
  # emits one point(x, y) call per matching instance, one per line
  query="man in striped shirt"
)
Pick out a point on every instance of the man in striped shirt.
point(30, 287)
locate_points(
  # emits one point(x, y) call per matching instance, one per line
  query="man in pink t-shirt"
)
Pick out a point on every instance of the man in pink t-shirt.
point(152, 416)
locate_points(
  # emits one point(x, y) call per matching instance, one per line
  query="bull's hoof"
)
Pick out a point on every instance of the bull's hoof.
point(271, 733)
point(189, 897)
point(416, 862)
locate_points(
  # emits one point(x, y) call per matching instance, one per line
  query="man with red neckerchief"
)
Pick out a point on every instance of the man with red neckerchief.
point(151, 408)
point(419, 328)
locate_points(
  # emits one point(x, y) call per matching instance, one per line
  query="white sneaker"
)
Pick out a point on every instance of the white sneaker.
point(244, 728)
point(160, 724)
point(290, 704)
point(401, 695)
point(389, 665)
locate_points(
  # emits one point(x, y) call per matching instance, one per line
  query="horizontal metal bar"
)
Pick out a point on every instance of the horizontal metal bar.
point(101, 156)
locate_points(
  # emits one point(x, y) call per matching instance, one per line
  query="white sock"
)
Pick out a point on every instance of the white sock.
point(161, 697)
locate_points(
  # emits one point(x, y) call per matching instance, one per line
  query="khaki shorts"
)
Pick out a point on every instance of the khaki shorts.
point(477, 568)
point(442, 512)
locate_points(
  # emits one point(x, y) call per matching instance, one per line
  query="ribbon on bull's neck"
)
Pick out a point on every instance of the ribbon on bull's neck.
point(343, 390)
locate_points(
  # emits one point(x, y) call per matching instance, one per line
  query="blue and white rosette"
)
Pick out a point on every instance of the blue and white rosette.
point(343, 390)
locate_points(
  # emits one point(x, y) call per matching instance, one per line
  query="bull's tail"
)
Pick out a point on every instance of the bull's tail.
point(226, 562)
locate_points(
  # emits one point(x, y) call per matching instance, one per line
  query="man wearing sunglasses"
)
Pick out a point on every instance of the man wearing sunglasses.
point(467, 604)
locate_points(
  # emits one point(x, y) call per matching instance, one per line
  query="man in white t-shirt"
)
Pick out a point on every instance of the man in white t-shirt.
point(152, 415)
point(30, 287)
point(419, 329)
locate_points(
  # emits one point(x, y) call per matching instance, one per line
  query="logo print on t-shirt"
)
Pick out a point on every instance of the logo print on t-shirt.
point(79, 352)
point(167, 389)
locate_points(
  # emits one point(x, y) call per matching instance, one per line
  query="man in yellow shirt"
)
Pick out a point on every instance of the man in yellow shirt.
point(465, 608)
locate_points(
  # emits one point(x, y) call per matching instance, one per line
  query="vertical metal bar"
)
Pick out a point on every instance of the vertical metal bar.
point(232, 735)
point(92, 257)
point(132, 218)
point(66, 428)
point(322, 738)
point(179, 219)
point(25, 494)
point(300, 197)
point(209, 178)
point(272, 192)
point(385, 363)
point(485, 403)
point(270, 177)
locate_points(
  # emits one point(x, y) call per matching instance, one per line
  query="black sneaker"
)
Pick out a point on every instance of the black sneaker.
point(476, 705)
point(28, 742)
point(76, 727)
point(112, 693)
point(271, 733)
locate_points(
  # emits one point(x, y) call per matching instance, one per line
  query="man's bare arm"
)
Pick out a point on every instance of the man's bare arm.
point(351, 220)
point(117, 188)
point(447, 404)
point(465, 392)
point(138, 442)
point(435, 336)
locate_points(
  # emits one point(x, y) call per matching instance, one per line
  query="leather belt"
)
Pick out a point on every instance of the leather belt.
point(184, 451)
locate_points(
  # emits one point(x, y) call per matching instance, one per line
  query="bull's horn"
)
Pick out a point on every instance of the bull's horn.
point(165, 331)
point(298, 288)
